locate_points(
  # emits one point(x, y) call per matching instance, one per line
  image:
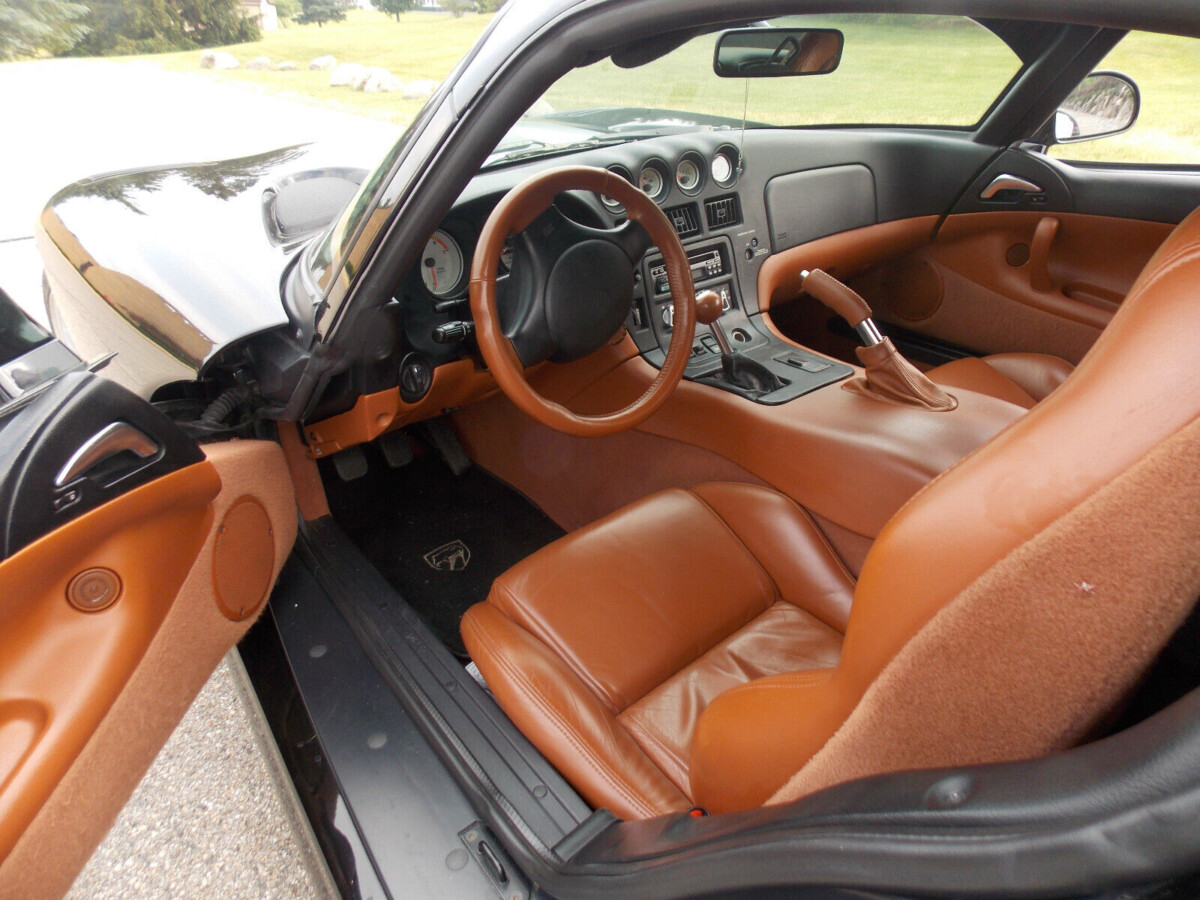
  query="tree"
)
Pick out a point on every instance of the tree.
point(152, 26)
point(490, 6)
point(286, 10)
point(393, 8)
point(457, 7)
point(32, 27)
point(320, 11)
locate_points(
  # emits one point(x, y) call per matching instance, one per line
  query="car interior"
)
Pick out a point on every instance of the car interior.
point(733, 488)
point(872, 527)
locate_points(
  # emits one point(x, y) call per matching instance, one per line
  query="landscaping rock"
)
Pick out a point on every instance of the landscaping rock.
point(380, 81)
point(420, 89)
point(286, 66)
point(347, 75)
point(260, 64)
point(218, 59)
point(323, 63)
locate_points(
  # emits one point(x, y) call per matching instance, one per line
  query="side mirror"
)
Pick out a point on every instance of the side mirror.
point(1103, 104)
point(777, 52)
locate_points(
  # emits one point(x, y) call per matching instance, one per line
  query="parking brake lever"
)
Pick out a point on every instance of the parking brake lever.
point(889, 376)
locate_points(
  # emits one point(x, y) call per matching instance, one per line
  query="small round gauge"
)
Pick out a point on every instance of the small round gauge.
point(506, 256)
point(724, 166)
point(688, 175)
point(652, 182)
point(442, 264)
point(609, 203)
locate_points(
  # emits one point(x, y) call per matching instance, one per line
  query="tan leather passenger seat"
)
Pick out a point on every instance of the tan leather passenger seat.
point(1025, 379)
point(688, 648)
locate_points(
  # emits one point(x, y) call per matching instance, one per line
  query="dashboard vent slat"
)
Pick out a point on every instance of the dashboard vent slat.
point(685, 219)
point(722, 212)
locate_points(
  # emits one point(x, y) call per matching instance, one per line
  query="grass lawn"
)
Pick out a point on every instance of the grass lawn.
point(939, 72)
point(421, 45)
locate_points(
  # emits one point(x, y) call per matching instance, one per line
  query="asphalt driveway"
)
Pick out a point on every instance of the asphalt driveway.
point(214, 816)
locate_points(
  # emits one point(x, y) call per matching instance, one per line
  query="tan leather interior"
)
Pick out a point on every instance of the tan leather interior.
point(88, 698)
point(888, 376)
point(1021, 378)
point(1029, 545)
point(514, 214)
point(850, 459)
point(842, 255)
point(1008, 282)
point(607, 645)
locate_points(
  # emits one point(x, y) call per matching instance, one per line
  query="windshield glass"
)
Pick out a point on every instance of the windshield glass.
point(941, 71)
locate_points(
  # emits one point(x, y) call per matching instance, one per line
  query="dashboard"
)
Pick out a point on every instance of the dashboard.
point(791, 187)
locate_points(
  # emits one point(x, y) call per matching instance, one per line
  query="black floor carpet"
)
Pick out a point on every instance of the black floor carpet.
point(439, 539)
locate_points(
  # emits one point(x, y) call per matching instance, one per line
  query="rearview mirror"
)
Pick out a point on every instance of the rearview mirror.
point(1103, 104)
point(777, 52)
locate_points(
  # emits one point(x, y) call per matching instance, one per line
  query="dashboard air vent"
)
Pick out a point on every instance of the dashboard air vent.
point(685, 219)
point(723, 212)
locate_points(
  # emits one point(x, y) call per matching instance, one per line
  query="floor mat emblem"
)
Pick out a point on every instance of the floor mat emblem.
point(451, 557)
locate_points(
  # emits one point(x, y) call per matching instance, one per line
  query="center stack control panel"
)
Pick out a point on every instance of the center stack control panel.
point(651, 324)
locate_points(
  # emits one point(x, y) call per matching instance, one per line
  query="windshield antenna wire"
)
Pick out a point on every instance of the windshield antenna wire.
point(742, 140)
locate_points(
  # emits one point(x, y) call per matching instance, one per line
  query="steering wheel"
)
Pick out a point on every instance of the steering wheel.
point(570, 289)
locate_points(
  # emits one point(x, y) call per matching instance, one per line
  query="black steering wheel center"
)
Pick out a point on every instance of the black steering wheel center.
point(587, 298)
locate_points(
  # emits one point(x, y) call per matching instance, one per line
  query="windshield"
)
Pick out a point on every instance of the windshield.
point(940, 71)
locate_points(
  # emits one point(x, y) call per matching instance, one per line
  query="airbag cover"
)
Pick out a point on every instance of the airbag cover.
point(587, 298)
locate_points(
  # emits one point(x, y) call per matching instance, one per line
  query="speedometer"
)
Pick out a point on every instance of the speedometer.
point(442, 264)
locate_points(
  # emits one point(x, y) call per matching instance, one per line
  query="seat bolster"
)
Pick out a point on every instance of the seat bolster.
point(562, 718)
point(752, 739)
point(1037, 374)
point(788, 545)
point(973, 374)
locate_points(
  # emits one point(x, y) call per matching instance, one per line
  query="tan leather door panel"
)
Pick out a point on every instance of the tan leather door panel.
point(88, 697)
point(1002, 282)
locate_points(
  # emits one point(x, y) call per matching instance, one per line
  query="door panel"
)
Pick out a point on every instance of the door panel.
point(88, 696)
point(1001, 282)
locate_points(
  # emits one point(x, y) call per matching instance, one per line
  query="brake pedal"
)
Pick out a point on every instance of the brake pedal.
point(439, 433)
point(350, 464)
point(396, 449)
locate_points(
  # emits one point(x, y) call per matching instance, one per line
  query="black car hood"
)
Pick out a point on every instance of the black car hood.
point(191, 256)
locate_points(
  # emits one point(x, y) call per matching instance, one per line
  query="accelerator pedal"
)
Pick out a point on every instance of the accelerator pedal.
point(442, 437)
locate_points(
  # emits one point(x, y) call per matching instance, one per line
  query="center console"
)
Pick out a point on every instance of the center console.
point(651, 325)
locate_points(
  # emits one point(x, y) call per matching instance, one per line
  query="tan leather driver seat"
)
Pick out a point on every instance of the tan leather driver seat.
point(689, 649)
point(1025, 379)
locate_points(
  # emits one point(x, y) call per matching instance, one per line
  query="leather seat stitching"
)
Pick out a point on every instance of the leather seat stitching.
point(519, 615)
point(754, 559)
point(627, 790)
point(631, 724)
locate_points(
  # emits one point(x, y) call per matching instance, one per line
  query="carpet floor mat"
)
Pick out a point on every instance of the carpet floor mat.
point(438, 538)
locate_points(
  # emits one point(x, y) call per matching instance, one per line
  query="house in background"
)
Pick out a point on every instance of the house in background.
point(262, 10)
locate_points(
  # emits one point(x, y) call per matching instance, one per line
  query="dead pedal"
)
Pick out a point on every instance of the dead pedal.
point(396, 449)
point(350, 464)
point(439, 433)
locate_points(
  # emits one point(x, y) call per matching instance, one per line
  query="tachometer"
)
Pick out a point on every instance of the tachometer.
point(442, 264)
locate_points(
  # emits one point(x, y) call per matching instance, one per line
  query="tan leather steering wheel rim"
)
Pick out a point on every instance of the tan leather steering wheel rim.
point(514, 214)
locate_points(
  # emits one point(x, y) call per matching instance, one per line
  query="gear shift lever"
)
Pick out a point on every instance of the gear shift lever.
point(740, 371)
point(889, 376)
